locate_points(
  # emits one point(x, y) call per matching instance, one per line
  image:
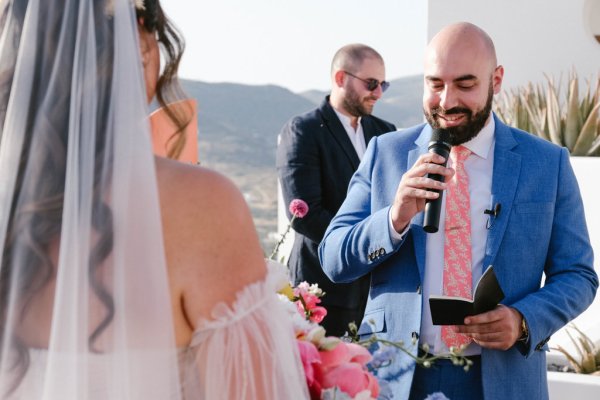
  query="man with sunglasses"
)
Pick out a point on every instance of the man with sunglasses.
point(316, 157)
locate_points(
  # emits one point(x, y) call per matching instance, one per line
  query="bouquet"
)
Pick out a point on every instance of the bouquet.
point(342, 368)
point(334, 369)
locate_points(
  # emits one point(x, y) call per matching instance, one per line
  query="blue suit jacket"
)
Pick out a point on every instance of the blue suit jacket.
point(540, 230)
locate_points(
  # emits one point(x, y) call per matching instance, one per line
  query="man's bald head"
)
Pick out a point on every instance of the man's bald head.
point(352, 68)
point(464, 38)
point(461, 76)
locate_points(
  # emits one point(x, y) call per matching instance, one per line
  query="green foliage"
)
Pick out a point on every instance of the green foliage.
point(572, 121)
point(588, 361)
point(426, 360)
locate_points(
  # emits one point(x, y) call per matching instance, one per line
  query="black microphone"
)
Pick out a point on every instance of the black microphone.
point(439, 144)
point(493, 213)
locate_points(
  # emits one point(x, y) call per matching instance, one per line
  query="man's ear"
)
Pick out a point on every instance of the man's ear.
point(497, 78)
point(339, 77)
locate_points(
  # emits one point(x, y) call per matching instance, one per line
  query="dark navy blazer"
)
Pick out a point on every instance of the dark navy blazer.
point(315, 161)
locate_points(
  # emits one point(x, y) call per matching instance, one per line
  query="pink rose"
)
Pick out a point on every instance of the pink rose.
point(310, 362)
point(344, 353)
point(358, 353)
point(335, 357)
point(298, 208)
point(351, 378)
point(344, 367)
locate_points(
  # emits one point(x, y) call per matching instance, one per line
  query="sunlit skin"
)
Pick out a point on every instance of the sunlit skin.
point(460, 66)
point(350, 96)
point(191, 236)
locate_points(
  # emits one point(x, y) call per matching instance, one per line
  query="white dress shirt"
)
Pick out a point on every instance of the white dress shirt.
point(357, 136)
point(479, 167)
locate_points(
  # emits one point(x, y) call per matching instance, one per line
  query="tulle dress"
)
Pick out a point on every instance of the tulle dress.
point(238, 349)
point(235, 355)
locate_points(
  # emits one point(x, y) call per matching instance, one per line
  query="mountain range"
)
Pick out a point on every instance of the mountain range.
point(238, 127)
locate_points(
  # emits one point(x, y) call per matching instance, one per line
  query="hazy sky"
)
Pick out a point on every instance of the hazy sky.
point(291, 42)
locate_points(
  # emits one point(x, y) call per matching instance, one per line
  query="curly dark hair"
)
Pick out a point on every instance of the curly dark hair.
point(36, 208)
point(168, 89)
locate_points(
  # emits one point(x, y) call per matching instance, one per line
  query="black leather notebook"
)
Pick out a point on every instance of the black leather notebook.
point(448, 310)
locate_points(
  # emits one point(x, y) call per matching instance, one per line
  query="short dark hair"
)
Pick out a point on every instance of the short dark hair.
point(350, 57)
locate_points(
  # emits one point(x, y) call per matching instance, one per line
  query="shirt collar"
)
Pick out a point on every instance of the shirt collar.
point(345, 120)
point(482, 143)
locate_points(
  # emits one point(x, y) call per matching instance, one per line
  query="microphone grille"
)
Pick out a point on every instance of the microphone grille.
point(440, 135)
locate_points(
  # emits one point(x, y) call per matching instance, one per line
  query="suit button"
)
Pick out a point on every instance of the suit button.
point(381, 251)
point(370, 257)
point(415, 335)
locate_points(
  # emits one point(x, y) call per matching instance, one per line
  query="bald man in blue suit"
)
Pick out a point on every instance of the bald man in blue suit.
point(536, 227)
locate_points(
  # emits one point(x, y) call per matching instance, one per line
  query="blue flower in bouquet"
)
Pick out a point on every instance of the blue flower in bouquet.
point(384, 356)
point(385, 390)
point(390, 360)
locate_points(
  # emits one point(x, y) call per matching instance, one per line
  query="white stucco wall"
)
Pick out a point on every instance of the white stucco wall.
point(532, 37)
point(586, 169)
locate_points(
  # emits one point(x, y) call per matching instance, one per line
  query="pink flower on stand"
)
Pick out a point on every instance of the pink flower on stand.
point(298, 208)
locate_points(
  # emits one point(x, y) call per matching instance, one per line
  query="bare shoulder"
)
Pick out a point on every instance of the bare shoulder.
point(211, 244)
point(182, 182)
point(201, 198)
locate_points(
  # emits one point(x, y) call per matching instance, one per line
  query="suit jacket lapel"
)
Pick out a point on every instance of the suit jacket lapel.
point(505, 179)
point(368, 129)
point(416, 230)
point(507, 168)
point(335, 127)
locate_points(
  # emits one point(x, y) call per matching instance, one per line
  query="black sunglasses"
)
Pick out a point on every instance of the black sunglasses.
point(372, 83)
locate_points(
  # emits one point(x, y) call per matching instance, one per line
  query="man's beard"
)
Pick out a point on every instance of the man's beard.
point(354, 105)
point(467, 131)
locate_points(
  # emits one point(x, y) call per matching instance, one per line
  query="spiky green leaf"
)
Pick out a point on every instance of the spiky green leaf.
point(572, 116)
point(588, 134)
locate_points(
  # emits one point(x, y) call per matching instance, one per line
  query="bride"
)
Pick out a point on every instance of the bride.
point(122, 276)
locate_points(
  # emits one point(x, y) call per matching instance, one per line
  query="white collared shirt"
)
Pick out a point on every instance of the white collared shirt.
point(357, 136)
point(479, 166)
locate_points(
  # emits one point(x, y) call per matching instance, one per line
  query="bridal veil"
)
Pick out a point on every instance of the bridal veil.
point(85, 303)
point(85, 311)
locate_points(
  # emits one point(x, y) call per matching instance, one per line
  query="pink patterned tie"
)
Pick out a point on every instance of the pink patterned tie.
point(457, 243)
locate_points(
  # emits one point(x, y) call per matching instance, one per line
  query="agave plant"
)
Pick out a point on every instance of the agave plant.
point(589, 353)
point(571, 122)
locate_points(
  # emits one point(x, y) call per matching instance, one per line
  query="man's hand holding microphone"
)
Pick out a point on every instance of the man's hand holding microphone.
point(423, 185)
